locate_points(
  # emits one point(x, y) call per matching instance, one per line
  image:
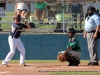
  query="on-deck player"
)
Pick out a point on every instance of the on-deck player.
point(15, 41)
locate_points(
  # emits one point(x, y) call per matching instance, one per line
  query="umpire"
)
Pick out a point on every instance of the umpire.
point(92, 25)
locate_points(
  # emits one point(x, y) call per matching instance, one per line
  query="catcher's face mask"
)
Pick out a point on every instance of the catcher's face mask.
point(69, 34)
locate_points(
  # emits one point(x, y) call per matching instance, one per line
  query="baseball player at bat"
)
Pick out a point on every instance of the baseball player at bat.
point(73, 51)
point(15, 41)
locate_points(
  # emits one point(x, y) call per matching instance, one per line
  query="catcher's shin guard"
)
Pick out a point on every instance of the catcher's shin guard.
point(72, 60)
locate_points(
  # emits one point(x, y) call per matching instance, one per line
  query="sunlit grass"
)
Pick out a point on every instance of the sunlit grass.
point(74, 73)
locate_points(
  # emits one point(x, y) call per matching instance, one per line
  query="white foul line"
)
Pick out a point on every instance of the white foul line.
point(3, 72)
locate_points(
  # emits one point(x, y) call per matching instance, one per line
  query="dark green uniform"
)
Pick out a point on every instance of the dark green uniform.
point(74, 43)
point(40, 6)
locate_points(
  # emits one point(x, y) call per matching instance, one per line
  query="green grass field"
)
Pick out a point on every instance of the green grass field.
point(75, 73)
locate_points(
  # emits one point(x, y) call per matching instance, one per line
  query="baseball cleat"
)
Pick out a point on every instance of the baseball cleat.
point(94, 64)
point(4, 65)
point(89, 63)
point(70, 64)
point(23, 64)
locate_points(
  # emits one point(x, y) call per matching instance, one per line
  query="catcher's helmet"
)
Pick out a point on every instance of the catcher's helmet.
point(71, 30)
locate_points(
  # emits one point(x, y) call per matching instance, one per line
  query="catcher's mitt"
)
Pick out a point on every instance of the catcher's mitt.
point(61, 57)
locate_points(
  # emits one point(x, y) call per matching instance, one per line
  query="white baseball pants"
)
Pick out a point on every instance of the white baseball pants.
point(15, 43)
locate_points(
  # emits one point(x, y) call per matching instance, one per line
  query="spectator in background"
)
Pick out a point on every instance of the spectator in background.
point(55, 14)
point(2, 8)
point(76, 9)
point(54, 8)
point(40, 9)
point(23, 9)
point(61, 27)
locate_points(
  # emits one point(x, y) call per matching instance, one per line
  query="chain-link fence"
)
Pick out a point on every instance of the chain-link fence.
point(58, 16)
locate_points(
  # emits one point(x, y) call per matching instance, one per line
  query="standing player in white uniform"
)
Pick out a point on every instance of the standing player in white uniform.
point(15, 41)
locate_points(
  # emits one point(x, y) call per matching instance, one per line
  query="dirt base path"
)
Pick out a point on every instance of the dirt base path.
point(45, 68)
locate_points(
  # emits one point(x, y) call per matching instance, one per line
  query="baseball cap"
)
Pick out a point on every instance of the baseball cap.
point(18, 17)
point(91, 8)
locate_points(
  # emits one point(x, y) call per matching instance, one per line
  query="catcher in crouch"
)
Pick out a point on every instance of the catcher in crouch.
point(73, 51)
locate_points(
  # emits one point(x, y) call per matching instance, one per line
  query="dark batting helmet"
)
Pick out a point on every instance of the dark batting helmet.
point(18, 17)
point(71, 30)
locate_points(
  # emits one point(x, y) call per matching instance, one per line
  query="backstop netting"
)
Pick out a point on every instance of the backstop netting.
point(59, 15)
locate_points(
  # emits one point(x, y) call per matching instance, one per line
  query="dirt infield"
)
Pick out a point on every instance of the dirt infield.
point(45, 68)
